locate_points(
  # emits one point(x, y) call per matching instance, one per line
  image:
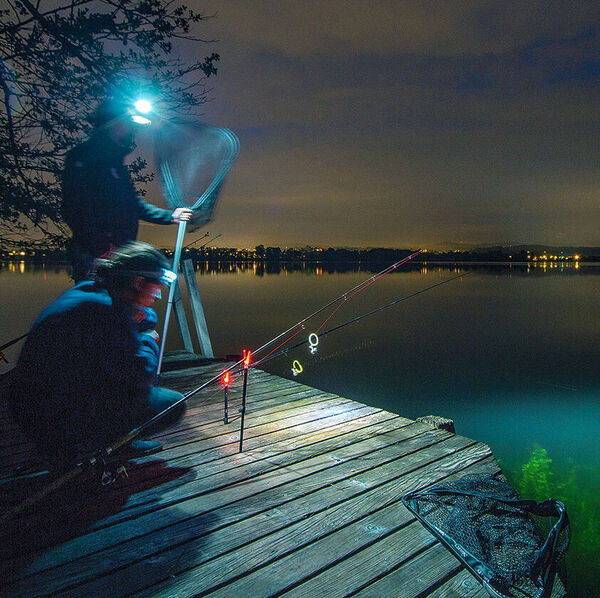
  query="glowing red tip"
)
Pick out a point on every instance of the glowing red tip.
point(246, 358)
point(226, 378)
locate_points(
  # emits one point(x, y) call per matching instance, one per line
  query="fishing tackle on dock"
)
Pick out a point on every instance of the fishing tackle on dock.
point(313, 342)
point(101, 459)
point(297, 367)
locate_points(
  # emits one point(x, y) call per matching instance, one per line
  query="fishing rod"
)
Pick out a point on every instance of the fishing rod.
point(100, 458)
point(9, 344)
point(14, 340)
point(206, 234)
point(343, 297)
point(357, 318)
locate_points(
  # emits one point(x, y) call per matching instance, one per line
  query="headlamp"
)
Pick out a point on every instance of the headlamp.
point(167, 277)
point(141, 107)
point(162, 276)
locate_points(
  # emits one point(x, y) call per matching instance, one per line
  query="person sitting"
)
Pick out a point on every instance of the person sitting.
point(85, 375)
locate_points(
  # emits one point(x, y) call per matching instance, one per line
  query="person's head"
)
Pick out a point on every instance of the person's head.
point(114, 120)
point(135, 272)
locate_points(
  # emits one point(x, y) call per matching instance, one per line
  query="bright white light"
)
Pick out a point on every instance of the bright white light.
point(168, 277)
point(140, 120)
point(143, 106)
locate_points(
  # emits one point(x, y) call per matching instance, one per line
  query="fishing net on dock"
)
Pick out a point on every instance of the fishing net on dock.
point(514, 547)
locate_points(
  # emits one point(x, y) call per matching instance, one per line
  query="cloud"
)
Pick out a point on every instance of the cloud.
point(389, 27)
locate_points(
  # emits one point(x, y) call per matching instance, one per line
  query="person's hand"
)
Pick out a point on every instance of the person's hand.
point(152, 334)
point(181, 215)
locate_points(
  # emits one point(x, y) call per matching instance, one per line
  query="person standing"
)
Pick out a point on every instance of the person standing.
point(100, 203)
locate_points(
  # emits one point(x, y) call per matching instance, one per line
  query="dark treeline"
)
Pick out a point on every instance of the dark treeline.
point(317, 255)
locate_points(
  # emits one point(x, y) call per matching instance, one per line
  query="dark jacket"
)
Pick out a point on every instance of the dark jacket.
point(100, 203)
point(85, 372)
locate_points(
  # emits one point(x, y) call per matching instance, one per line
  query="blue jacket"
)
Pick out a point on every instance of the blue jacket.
point(85, 370)
point(100, 203)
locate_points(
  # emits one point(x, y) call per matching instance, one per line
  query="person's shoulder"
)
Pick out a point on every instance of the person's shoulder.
point(84, 298)
point(81, 155)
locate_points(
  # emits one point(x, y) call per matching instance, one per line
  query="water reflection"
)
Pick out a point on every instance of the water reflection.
point(262, 267)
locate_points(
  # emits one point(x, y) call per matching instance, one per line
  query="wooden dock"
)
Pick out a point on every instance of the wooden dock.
point(310, 508)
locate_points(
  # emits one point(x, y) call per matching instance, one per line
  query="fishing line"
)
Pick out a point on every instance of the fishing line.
point(341, 297)
point(363, 285)
point(357, 318)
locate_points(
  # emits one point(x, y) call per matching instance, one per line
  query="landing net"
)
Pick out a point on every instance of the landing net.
point(497, 536)
point(192, 161)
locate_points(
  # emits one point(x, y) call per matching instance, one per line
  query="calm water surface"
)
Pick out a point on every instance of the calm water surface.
point(510, 354)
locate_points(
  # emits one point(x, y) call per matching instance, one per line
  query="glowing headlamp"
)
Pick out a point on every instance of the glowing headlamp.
point(167, 277)
point(140, 108)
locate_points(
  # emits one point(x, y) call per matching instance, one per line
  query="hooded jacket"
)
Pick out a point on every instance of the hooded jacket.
point(85, 372)
point(100, 203)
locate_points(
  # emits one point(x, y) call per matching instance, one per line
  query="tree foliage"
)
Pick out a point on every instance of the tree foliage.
point(57, 59)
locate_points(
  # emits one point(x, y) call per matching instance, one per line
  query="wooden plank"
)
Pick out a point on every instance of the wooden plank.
point(273, 490)
point(192, 445)
point(235, 535)
point(289, 439)
point(197, 309)
point(358, 523)
point(462, 585)
point(325, 445)
point(417, 577)
point(152, 476)
point(182, 324)
point(310, 508)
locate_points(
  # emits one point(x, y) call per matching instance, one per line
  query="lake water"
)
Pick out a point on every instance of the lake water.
point(509, 353)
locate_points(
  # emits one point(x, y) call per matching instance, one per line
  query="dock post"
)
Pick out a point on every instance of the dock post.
point(182, 320)
point(197, 309)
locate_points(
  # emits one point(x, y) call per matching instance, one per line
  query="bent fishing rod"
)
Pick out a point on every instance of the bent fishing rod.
point(245, 361)
point(100, 458)
point(357, 318)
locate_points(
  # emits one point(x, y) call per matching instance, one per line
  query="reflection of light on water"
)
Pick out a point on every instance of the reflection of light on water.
point(22, 267)
point(424, 270)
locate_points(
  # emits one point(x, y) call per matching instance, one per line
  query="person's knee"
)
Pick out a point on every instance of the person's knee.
point(160, 399)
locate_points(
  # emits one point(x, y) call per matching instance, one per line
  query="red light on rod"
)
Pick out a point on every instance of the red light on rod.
point(226, 378)
point(246, 358)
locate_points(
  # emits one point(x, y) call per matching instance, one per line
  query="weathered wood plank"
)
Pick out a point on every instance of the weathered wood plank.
point(24, 454)
point(462, 585)
point(210, 449)
point(212, 573)
point(416, 577)
point(296, 483)
point(290, 559)
point(372, 426)
point(239, 534)
point(345, 429)
point(312, 507)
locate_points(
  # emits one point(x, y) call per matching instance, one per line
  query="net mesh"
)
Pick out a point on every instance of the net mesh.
point(192, 161)
point(514, 546)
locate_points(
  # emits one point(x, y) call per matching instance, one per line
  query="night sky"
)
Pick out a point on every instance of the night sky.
point(396, 123)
